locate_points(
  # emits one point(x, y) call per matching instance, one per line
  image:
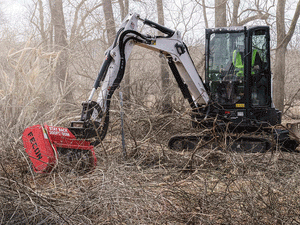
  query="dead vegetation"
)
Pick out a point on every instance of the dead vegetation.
point(154, 185)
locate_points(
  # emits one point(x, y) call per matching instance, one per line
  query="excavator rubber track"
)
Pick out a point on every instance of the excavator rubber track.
point(248, 143)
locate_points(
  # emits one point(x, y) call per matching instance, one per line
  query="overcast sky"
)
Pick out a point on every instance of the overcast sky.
point(13, 7)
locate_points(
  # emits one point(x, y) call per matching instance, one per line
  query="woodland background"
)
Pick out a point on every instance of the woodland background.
point(51, 52)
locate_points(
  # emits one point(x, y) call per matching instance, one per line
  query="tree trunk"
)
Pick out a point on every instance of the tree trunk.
point(109, 21)
point(279, 73)
point(279, 78)
point(204, 13)
point(42, 26)
point(61, 46)
point(235, 12)
point(220, 13)
point(283, 40)
point(165, 77)
point(124, 6)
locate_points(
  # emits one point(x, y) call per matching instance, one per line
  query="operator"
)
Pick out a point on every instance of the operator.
point(256, 61)
point(259, 91)
point(238, 62)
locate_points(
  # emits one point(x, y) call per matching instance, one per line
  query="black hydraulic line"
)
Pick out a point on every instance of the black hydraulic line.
point(117, 81)
point(159, 27)
point(121, 71)
point(103, 70)
point(118, 34)
point(183, 87)
point(106, 63)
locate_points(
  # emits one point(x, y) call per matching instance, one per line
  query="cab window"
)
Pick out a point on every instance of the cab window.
point(225, 75)
point(259, 69)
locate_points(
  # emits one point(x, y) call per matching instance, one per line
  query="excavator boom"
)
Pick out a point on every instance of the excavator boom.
point(96, 113)
point(47, 145)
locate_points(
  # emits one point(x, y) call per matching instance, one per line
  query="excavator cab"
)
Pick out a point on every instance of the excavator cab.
point(238, 75)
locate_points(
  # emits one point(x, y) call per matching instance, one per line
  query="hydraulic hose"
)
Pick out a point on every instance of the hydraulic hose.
point(120, 75)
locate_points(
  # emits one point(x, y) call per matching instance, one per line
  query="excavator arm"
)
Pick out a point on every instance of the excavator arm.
point(50, 146)
point(95, 114)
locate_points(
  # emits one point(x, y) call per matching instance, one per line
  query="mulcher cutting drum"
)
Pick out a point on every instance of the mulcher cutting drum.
point(50, 146)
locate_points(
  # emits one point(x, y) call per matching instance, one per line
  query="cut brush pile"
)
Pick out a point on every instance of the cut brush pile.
point(154, 185)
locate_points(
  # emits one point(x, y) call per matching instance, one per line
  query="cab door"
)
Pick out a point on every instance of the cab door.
point(260, 75)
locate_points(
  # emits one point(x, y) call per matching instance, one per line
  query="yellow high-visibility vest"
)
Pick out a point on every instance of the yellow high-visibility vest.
point(238, 62)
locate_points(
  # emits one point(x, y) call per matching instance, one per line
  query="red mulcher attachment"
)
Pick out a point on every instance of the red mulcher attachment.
point(48, 146)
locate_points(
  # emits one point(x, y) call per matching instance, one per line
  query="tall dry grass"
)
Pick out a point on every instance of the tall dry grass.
point(27, 97)
point(154, 185)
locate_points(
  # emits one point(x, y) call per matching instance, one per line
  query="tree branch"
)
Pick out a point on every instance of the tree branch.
point(73, 29)
point(81, 24)
point(256, 17)
point(291, 31)
point(204, 13)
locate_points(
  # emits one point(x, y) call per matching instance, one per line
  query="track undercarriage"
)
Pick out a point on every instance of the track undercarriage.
point(261, 140)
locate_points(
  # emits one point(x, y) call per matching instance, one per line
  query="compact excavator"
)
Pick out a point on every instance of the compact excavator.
point(236, 95)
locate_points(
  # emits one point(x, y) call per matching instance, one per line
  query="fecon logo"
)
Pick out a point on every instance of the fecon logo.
point(35, 146)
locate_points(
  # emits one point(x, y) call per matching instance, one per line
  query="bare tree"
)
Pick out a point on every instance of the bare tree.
point(83, 21)
point(220, 13)
point(42, 22)
point(75, 23)
point(109, 21)
point(124, 7)
point(61, 45)
point(235, 11)
point(283, 40)
point(165, 77)
point(204, 13)
point(77, 20)
point(241, 16)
